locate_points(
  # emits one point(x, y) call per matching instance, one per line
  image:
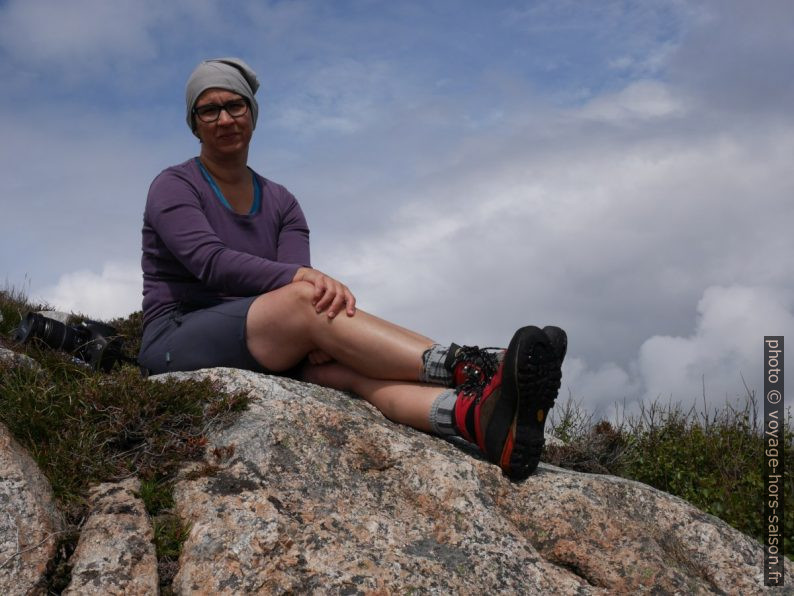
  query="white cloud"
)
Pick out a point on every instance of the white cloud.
point(725, 346)
point(639, 100)
point(614, 232)
point(715, 361)
point(600, 390)
point(116, 292)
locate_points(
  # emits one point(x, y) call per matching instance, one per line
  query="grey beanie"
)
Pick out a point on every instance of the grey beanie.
point(231, 74)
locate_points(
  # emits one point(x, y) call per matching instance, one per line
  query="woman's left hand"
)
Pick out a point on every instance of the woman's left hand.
point(329, 294)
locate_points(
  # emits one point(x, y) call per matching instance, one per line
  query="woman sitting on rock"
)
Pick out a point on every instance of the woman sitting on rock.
point(228, 282)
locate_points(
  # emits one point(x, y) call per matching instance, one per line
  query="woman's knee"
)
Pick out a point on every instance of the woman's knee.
point(302, 291)
point(286, 302)
point(297, 294)
point(277, 327)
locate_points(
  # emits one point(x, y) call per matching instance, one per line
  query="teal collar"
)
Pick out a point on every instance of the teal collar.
point(211, 181)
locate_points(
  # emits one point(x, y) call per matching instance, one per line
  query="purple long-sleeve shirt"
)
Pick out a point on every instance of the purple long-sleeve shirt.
point(199, 252)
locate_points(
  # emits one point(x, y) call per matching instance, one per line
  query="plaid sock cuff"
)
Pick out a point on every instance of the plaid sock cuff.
point(433, 369)
point(442, 413)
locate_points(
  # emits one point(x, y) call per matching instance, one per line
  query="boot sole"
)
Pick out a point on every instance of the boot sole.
point(516, 359)
point(538, 375)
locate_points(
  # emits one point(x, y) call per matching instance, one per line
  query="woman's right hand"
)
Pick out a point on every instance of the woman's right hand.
point(329, 294)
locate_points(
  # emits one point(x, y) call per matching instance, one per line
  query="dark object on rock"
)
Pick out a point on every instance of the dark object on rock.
point(96, 344)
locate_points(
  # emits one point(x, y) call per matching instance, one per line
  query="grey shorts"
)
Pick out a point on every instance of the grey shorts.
point(192, 339)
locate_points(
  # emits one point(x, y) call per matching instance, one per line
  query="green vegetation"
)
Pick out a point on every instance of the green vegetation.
point(713, 459)
point(84, 427)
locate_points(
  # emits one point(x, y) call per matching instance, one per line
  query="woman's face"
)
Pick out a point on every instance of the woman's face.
point(227, 135)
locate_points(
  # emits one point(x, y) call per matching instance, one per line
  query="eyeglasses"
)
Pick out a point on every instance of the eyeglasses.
point(212, 111)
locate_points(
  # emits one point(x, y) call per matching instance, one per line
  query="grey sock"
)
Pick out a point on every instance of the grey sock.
point(442, 413)
point(433, 369)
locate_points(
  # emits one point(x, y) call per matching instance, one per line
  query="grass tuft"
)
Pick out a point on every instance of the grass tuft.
point(84, 427)
point(13, 306)
point(170, 533)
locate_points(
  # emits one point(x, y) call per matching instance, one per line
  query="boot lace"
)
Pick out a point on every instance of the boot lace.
point(479, 366)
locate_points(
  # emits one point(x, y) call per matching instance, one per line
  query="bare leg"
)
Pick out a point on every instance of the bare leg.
point(406, 403)
point(283, 326)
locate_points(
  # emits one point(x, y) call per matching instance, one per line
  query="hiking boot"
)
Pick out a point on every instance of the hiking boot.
point(471, 364)
point(505, 416)
point(539, 395)
point(558, 340)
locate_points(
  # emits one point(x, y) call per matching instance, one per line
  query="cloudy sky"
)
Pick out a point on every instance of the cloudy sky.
point(621, 169)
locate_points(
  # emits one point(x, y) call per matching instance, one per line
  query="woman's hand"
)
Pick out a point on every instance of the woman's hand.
point(329, 294)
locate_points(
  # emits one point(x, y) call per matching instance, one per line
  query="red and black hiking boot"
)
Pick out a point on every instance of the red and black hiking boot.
point(506, 416)
point(471, 364)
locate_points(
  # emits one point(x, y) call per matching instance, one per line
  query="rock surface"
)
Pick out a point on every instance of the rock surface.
point(16, 359)
point(29, 521)
point(312, 491)
point(115, 554)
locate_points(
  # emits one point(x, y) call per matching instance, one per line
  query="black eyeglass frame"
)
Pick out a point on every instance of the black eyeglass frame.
point(221, 108)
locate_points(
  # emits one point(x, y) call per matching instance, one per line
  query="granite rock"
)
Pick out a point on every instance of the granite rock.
point(16, 359)
point(312, 490)
point(115, 554)
point(29, 521)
